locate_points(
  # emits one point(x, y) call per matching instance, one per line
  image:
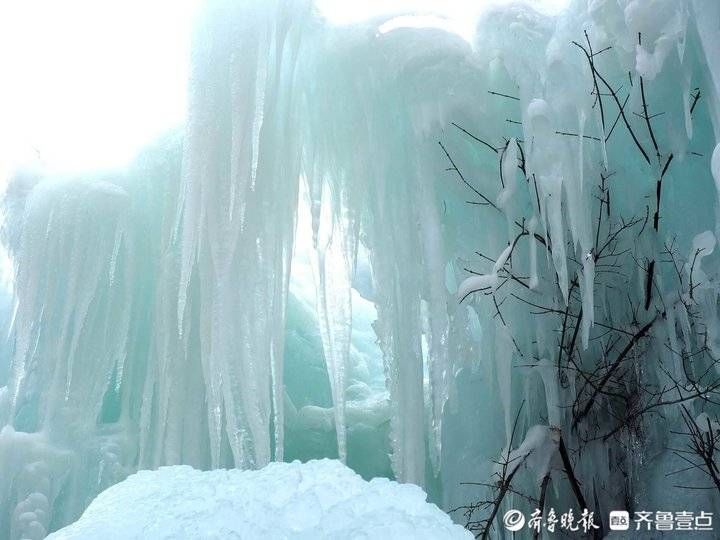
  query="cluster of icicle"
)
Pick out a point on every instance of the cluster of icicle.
point(149, 316)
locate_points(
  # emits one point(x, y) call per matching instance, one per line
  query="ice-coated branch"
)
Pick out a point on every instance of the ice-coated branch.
point(475, 138)
point(695, 98)
point(642, 332)
point(541, 505)
point(615, 352)
point(464, 181)
point(503, 95)
point(598, 95)
point(621, 107)
point(509, 466)
point(704, 444)
point(656, 224)
point(568, 134)
point(645, 111)
point(567, 465)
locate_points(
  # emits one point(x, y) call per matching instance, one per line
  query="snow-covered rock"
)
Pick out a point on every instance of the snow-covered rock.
point(314, 500)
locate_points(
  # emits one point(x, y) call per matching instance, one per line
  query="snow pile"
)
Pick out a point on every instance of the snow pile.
point(318, 499)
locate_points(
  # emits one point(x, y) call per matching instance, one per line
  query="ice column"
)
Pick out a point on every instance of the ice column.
point(336, 245)
point(237, 217)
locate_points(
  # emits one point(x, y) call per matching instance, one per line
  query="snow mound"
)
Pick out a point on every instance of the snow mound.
point(314, 500)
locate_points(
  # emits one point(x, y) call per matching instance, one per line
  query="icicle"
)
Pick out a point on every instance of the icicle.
point(552, 189)
point(504, 348)
point(532, 247)
point(240, 185)
point(439, 365)
point(548, 372)
point(581, 154)
point(588, 297)
point(687, 103)
point(334, 276)
point(509, 171)
point(542, 161)
point(715, 170)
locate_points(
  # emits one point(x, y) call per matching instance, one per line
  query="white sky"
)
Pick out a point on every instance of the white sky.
point(85, 83)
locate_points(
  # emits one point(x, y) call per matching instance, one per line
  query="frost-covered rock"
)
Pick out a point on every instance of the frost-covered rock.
point(314, 500)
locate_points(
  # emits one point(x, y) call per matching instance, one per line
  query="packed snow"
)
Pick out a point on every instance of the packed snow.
point(320, 499)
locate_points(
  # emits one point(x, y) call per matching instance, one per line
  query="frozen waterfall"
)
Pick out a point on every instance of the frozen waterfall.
point(438, 260)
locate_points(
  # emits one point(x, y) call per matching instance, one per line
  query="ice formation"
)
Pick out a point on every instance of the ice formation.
point(305, 272)
point(314, 500)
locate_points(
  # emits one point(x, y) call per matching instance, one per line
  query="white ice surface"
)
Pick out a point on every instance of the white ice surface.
point(314, 500)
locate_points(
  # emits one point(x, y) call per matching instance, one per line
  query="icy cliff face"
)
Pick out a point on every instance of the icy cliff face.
point(555, 249)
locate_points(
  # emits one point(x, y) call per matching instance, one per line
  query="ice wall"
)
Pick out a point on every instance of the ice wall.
point(372, 118)
point(459, 204)
point(71, 411)
point(241, 164)
point(595, 158)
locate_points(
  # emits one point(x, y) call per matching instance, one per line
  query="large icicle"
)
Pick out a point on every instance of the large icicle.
point(336, 246)
point(240, 186)
point(369, 134)
point(438, 324)
point(69, 222)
